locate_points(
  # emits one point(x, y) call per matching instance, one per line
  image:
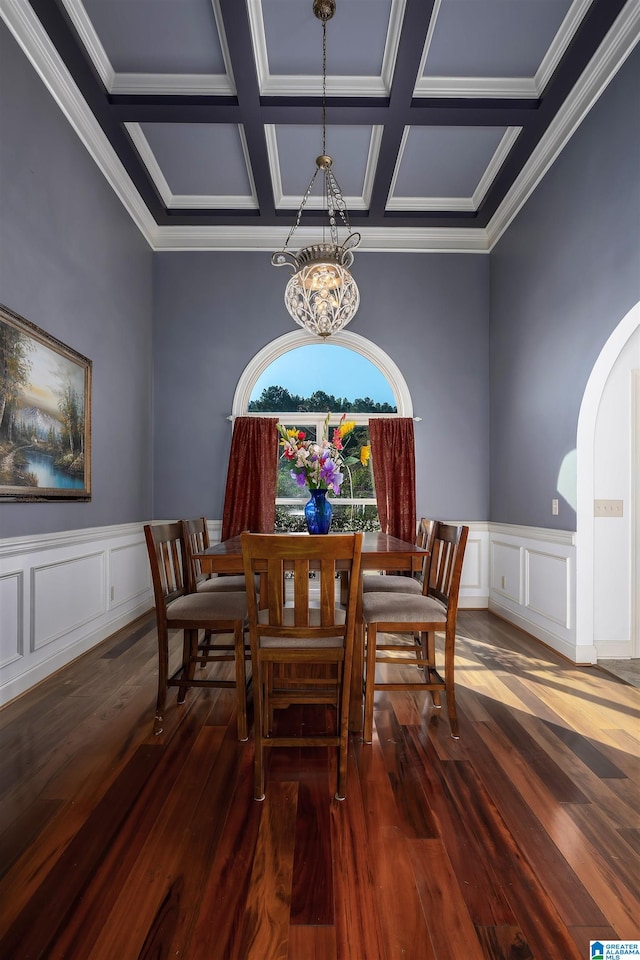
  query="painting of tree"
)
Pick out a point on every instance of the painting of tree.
point(44, 415)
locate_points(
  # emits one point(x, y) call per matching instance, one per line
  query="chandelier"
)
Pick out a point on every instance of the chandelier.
point(322, 296)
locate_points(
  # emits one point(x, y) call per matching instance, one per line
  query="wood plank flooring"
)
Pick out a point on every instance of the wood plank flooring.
point(519, 841)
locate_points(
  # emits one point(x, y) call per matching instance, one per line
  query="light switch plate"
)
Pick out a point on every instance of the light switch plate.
point(607, 508)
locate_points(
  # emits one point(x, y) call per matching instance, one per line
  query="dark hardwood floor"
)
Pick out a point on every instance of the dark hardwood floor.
point(521, 840)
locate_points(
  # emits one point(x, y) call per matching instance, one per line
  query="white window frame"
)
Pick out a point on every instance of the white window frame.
point(317, 420)
point(350, 341)
point(300, 338)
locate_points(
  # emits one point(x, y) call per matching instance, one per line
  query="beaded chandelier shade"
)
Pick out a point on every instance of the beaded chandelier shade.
point(322, 296)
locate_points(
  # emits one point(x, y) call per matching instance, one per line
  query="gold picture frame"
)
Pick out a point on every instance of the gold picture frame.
point(45, 415)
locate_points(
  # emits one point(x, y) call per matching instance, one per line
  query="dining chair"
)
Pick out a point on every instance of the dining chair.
point(218, 614)
point(396, 582)
point(290, 636)
point(399, 622)
point(196, 540)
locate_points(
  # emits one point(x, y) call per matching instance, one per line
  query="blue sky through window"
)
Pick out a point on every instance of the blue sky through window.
point(324, 366)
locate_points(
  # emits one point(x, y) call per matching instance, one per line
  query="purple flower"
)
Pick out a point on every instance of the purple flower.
point(330, 474)
point(300, 478)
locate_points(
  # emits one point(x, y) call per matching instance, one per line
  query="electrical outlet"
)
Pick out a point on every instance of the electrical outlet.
point(607, 508)
point(554, 508)
point(113, 594)
point(503, 582)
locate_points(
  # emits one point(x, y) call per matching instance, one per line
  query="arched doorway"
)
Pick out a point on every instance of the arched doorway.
point(589, 587)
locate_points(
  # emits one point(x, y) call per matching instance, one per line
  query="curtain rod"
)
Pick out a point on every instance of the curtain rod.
point(415, 419)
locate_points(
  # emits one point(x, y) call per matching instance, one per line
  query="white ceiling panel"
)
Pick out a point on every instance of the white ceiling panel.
point(202, 164)
point(495, 38)
point(158, 36)
point(442, 115)
point(450, 166)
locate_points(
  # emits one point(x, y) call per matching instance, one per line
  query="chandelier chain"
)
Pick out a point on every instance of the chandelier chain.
point(322, 296)
point(301, 207)
point(324, 87)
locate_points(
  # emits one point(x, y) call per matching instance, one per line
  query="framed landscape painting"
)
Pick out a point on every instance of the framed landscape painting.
point(45, 415)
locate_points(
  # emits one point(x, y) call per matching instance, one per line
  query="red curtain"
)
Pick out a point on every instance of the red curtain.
point(394, 474)
point(250, 496)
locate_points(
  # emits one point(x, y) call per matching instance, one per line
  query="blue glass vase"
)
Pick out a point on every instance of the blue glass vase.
point(318, 512)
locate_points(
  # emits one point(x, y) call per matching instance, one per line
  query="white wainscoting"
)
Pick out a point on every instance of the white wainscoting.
point(62, 593)
point(474, 584)
point(532, 577)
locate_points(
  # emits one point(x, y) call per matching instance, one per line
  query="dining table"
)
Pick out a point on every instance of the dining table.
point(380, 552)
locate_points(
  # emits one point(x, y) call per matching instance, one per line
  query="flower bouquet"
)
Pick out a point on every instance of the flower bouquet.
point(318, 465)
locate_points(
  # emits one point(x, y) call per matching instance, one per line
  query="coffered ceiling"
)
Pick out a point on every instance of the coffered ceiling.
point(442, 115)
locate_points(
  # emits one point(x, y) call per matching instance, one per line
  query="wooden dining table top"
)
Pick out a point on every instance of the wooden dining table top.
point(380, 551)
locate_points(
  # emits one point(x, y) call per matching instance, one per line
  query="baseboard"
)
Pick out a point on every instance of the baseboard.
point(34, 675)
point(63, 593)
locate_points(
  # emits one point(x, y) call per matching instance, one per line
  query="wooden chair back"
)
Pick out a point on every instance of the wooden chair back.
point(180, 608)
point(447, 548)
point(393, 618)
point(165, 549)
point(196, 540)
point(424, 539)
point(290, 637)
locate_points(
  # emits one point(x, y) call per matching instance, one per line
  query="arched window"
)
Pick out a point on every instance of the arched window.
point(301, 379)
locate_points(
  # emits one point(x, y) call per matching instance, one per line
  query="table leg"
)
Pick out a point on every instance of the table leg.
point(357, 673)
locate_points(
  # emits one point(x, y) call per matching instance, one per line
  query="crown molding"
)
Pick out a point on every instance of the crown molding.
point(574, 17)
point(374, 239)
point(172, 84)
point(515, 88)
point(34, 41)
point(602, 68)
point(91, 41)
point(44, 58)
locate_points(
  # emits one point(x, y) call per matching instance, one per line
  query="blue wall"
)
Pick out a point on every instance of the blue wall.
point(496, 349)
point(563, 276)
point(214, 311)
point(72, 262)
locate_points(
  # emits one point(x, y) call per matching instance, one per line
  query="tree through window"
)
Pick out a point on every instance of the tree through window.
point(300, 379)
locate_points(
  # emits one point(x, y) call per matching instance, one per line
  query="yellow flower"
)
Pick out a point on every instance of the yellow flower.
point(346, 427)
point(365, 453)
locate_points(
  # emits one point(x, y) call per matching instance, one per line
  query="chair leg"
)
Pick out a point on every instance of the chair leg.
point(343, 749)
point(267, 688)
point(163, 676)
point(241, 681)
point(207, 640)
point(258, 725)
point(449, 684)
point(369, 689)
point(429, 653)
point(189, 652)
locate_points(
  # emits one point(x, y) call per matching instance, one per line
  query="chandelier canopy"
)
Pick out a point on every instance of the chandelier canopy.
point(322, 296)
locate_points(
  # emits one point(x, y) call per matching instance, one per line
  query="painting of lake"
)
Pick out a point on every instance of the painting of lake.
point(44, 414)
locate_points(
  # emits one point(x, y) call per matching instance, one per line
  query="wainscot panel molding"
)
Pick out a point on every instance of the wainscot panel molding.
point(532, 583)
point(474, 585)
point(62, 593)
